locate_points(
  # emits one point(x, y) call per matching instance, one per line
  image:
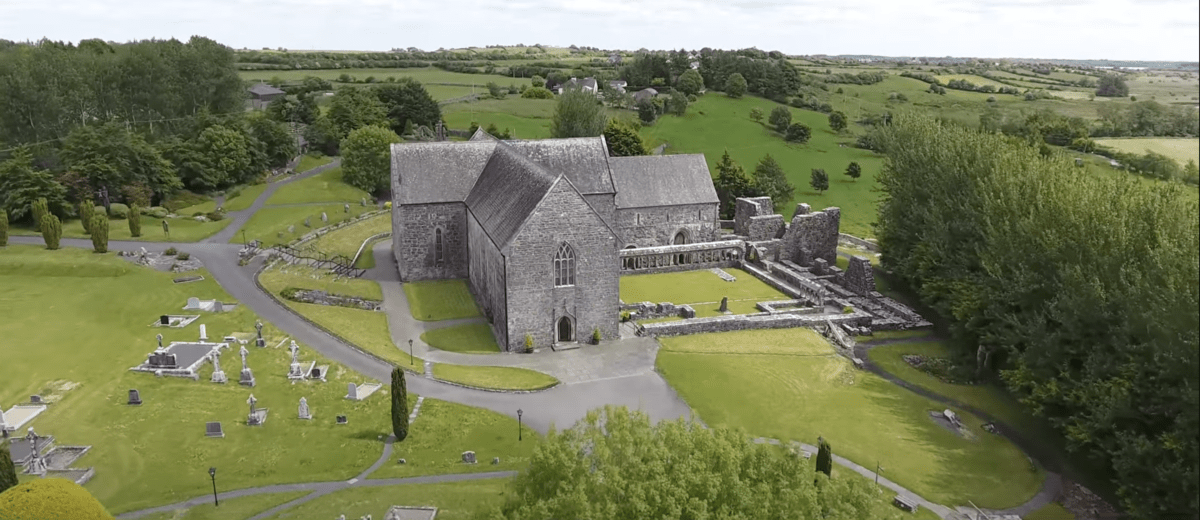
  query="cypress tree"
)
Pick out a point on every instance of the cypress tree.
point(3, 227)
point(399, 404)
point(824, 457)
point(99, 227)
point(86, 212)
point(135, 221)
point(39, 208)
point(51, 230)
point(8, 471)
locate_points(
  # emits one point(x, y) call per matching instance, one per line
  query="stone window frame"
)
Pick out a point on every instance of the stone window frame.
point(439, 246)
point(564, 266)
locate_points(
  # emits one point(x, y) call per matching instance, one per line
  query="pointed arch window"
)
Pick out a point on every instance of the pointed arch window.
point(438, 246)
point(564, 266)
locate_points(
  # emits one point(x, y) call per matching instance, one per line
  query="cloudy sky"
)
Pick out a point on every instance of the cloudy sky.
point(1080, 29)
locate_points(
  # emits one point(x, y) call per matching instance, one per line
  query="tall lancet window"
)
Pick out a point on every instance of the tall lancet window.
point(564, 266)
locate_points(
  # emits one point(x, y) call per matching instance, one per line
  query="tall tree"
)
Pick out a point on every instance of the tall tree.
point(819, 180)
point(354, 108)
point(735, 86)
point(406, 101)
point(51, 230)
point(798, 133)
point(731, 183)
point(853, 170)
point(623, 138)
point(21, 185)
point(99, 231)
point(780, 118)
point(8, 470)
point(367, 158)
point(279, 145)
point(112, 156)
point(837, 121)
point(824, 457)
point(770, 181)
point(690, 82)
point(677, 104)
point(1112, 85)
point(577, 114)
point(647, 112)
point(399, 405)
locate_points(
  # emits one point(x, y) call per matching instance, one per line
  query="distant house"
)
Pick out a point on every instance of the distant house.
point(614, 59)
point(262, 94)
point(644, 94)
point(618, 85)
point(586, 84)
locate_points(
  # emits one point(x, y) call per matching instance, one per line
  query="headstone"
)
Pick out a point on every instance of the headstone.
point(341, 419)
point(364, 201)
point(468, 457)
point(724, 304)
point(308, 222)
point(260, 341)
point(218, 375)
point(316, 373)
point(3, 425)
point(346, 208)
point(213, 429)
point(950, 416)
point(495, 460)
point(324, 217)
point(218, 307)
point(292, 229)
point(247, 378)
point(159, 341)
point(203, 333)
point(402, 461)
point(252, 401)
point(135, 398)
point(352, 391)
point(304, 411)
point(193, 303)
point(35, 399)
point(164, 320)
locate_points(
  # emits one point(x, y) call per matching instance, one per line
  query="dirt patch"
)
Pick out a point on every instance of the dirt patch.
point(1084, 504)
point(941, 420)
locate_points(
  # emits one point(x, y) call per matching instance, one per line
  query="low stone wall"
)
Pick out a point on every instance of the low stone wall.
point(751, 322)
point(789, 307)
point(321, 231)
point(650, 310)
point(858, 242)
point(334, 300)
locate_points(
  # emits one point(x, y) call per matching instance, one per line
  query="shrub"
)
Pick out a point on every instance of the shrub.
point(625, 316)
point(86, 212)
point(8, 471)
point(118, 211)
point(528, 344)
point(50, 498)
point(183, 256)
point(51, 230)
point(824, 457)
point(215, 216)
point(289, 293)
point(170, 251)
point(100, 233)
point(596, 335)
point(847, 310)
point(780, 118)
point(135, 221)
point(156, 212)
point(798, 133)
point(39, 208)
point(691, 98)
point(537, 93)
point(3, 227)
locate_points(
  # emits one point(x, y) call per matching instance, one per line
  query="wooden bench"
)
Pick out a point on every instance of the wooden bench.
point(906, 504)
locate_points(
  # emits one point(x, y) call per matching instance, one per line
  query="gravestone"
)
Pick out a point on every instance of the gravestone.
point(341, 419)
point(260, 341)
point(135, 398)
point(724, 304)
point(468, 457)
point(257, 416)
point(213, 429)
point(292, 229)
point(402, 461)
point(304, 412)
point(346, 208)
point(364, 201)
point(218, 306)
point(951, 416)
point(307, 222)
point(247, 376)
point(495, 460)
point(35, 399)
point(352, 391)
point(316, 373)
point(159, 337)
point(164, 320)
point(324, 217)
point(218, 375)
point(203, 333)
point(193, 303)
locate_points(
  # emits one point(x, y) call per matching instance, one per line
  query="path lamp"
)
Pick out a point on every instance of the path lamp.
point(410, 354)
point(519, 412)
point(212, 472)
point(878, 470)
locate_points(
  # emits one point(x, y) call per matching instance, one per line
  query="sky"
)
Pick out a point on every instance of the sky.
point(1165, 30)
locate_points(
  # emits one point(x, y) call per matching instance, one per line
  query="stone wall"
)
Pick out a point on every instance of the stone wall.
point(746, 208)
point(534, 303)
point(605, 204)
point(487, 279)
point(858, 278)
point(764, 227)
point(812, 235)
point(658, 226)
point(750, 322)
point(685, 257)
point(869, 245)
point(414, 229)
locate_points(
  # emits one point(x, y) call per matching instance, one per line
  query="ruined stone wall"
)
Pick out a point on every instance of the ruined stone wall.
point(657, 226)
point(858, 277)
point(812, 235)
point(534, 303)
point(750, 322)
point(764, 227)
point(487, 279)
point(414, 229)
point(746, 208)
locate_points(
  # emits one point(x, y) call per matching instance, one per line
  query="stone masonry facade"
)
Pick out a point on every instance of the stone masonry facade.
point(659, 226)
point(414, 243)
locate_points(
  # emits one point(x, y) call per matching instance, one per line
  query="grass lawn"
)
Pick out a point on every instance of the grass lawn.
point(1181, 149)
point(157, 453)
point(347, 240)
point(230, 509)
point(501, 378)
point(181, 230)
point(424, 75)
point(308, 162)
point(270, 225)
point(437, 300)
point(453, 500)
point(716, 123)
point(475, 338)
point(279, 278)
point(528, 118)
point(1052, 511)
point(326, 186)
point(236, 199)
point(803, 390)
point(443, 430)
point(367, 260)
point(702, 290)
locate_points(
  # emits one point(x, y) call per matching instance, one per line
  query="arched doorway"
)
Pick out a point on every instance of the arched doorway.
point(680, 239)
point(566, 332)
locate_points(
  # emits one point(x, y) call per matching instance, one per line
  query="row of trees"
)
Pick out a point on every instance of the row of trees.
point(767, 180)
point(400, 106)
point(1082, 290)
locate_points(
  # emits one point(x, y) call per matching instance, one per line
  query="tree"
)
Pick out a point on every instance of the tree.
point(51, 230)
point(21, 185)
point(537, 93)
point(1191, 173)
point(99, 228)
point(113, 156)
point(407, 101)
point(399, 404)
point(367, 158)
point(87, 209)
point(1112, 85)
point(735, 85)
point(604, 466)
point(837, 121)
point(50, 498)
point(770, 181)
point(577, 114)
point(819, 180)
point(226, 158)
point(3, 240)
point(8, 471)
point(279, 145)
point(284, 109)
point(756, 114)
point(38, 209)
point(537, 81)
point(647, 112)
point(354, 108)
point(854, 171)
point(780, 118)
point(677, 104)
point(135, 220)
point(690, 82)
point(623, 139)
point(798, 133)
point(731, 183)
point(824, 457)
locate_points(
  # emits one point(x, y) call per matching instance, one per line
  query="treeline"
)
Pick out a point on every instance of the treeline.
point(961, 84)
point(346, 60)
point(1083, 291)
point(862, 78)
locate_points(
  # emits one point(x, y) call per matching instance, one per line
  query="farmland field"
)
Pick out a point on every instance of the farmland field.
point(429, 75)
point(1181, 149)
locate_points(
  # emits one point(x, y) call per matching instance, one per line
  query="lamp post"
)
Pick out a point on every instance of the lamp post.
point(410, 354)
point(878, 470)
point(212, 472)
point(519, 412)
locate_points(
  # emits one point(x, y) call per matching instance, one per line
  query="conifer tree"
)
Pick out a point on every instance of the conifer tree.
point(135, 221)
point(8, 471)
point(51, 229)
point(99, 227)
point(399, 404)
point(86, 212)
point(3, 227)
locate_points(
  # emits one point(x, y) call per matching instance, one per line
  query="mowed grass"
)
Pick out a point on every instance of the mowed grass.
point(1051, 511)
point(157, 453)
point(716, 123)
point(236, 199)
point(436, 300)
point(183, 229)
point(702, 290)
point(347, 240)
point(443, 430)
point(454, 501)
point(498, 378)
point(1181, 149)
point(231, 508)
point(302, 277)
point(270, 224)
point(803, 390)
point(474, 338)
point(326, 186)
point(308, 162)
point(528, 118)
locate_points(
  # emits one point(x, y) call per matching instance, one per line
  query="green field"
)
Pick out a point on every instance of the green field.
point(1181, 149)
point(437, 300)
point(309, 161)
point(230, 509)
point(497, 378)
point(270, 224)
point(528, 118)
point(183, 229)
point(702, 290)
point(326, 186)
point(454, 501)
point(347, 240)
point(427, 75)
point(803, 390)
point(302, 277)
point(977, 80)
point(157, 453)
point(474, 338)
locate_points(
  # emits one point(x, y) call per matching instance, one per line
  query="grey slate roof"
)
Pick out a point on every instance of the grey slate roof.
point(480, 135)
point(263, 89)
point(662, 180)
point(442, 171)
point(509, 189)
point(584, 160)
point(646, 93)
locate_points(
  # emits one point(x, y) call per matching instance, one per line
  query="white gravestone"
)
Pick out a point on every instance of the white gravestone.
point(203, 333)
point(305, 413)
point(193, 303)
point(218, 375)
